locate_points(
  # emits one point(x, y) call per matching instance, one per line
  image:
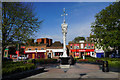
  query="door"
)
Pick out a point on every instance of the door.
point(49, 55)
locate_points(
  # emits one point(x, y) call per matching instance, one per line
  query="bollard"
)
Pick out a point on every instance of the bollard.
point(105, 67)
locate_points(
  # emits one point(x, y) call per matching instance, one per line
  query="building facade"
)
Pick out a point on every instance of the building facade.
point(44, 41)
point(33, 52)
point(77, 50)
point(44, 49)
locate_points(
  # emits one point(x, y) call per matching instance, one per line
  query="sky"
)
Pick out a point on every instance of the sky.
point(79, 18)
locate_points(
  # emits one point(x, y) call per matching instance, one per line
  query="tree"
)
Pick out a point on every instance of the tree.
point(77, 39)
point(19, 22)
point(106, 27)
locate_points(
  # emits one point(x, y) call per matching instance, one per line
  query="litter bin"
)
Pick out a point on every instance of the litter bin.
point(105, 67)
point(34, 61)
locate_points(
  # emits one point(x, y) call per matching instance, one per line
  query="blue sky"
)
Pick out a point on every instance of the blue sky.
point(79, 18)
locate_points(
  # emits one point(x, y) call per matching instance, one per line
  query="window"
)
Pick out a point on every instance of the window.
point(42, 48)
point(92, 46)
point(70, 47)
point(29, 49)
point(58, 53)
point(81, 45)
point(89, 47)
point(76, 55)
point(92, 53)
point(76, 46)
point(35, 48)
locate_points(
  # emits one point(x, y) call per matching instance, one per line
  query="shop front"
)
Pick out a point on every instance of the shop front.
point(35, 54)
point(54, 53)
point(78, 53)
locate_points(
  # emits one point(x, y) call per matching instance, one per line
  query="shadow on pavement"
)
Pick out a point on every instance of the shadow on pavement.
point(83, 74)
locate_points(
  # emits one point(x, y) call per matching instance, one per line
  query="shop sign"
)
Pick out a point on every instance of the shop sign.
point(82, 50)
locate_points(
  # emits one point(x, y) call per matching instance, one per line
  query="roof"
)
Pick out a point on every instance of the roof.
point(43, 38)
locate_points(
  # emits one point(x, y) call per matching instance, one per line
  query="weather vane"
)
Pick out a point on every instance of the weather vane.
point(64, 14)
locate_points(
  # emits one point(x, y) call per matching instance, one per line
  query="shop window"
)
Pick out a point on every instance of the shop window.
point(58, 53)
point(36, 49)
point(92, 53)
point(29, 49)
point(70, 47)
point(74, 47)
point(92, 46)
point(89, 47)
point(76, 55)
point(77, 47)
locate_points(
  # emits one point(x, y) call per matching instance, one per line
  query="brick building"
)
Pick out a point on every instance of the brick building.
point(55, 50)
point(45, 49)
point(36, 51)
point(77, 50)
point(44, 41)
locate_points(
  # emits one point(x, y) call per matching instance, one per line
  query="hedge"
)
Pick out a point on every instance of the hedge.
point(113, 62)
point(14, 67)
point(43, 61)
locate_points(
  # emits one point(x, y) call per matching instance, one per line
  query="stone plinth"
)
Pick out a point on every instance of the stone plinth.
point(64, 60)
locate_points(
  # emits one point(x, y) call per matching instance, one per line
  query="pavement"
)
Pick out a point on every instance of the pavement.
point(77, 71)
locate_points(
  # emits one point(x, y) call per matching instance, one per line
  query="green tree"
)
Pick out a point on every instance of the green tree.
point(19, 22)
point(106, 27)
point(77, 39)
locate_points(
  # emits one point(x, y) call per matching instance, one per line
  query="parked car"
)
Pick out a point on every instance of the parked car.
point(22, 57)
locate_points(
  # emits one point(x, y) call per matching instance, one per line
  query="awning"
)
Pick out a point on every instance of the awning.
point(82, 50)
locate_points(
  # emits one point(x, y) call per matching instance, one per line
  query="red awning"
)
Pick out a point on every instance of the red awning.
point(82, 50)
